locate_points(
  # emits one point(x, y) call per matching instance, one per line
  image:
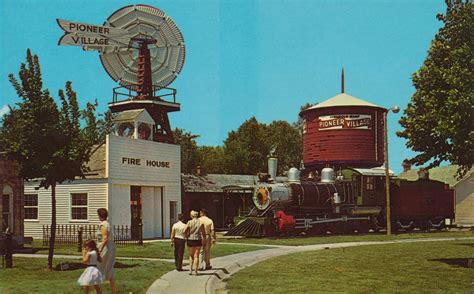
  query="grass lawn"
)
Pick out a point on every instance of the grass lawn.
point(150, 250)
point(29, 275)
point(309, 240)
point(427, 267)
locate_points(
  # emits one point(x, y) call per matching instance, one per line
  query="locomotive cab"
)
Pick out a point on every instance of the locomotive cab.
point(368, 185)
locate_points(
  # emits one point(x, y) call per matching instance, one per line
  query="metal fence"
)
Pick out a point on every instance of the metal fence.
point(76, 234)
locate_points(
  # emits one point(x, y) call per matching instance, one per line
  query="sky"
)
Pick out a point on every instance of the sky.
point(243, 58)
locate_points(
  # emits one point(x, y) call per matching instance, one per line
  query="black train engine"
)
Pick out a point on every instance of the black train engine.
point(352, 201)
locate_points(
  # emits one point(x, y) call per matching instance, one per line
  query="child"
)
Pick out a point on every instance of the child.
point(91, 275)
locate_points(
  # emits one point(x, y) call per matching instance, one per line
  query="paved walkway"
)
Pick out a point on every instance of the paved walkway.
point(213, 281)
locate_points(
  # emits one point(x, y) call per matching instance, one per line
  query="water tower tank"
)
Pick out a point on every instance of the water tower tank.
point(343, 131)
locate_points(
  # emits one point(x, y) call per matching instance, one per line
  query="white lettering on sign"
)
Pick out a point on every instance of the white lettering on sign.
point(148, 162)
point(345, 121)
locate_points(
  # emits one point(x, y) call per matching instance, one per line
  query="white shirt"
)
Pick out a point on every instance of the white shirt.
point(179, 228)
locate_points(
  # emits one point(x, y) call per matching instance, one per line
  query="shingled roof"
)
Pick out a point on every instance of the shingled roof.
point(342, 100)
point(446, 174)
point(97, 162)
point(213, 183)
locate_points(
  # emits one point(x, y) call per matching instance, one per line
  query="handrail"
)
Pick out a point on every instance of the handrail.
point(158, 94)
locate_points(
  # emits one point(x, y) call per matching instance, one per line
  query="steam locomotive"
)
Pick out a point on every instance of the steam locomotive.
point(353, 200)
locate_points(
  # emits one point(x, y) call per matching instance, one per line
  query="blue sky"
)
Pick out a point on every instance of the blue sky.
point(243, 58)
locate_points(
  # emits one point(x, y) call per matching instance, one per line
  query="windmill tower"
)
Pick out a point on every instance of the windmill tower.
point(143, 50)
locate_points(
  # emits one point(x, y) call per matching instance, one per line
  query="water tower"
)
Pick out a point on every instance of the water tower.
point(343, 131)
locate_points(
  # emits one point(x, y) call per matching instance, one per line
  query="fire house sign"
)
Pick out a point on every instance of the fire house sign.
point(82, 34)
point(344, 121)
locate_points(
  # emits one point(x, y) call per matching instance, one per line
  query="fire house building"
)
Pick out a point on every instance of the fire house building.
point(137, 179)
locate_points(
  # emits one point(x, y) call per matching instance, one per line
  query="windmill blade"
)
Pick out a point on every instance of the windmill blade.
point(167, 53)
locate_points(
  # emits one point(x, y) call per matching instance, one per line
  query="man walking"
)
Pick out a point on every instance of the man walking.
point(209, 239)
point(178, 240)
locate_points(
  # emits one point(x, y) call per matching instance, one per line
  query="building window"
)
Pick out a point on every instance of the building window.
point(370, 183)
point(79, 206)
point(31, 206)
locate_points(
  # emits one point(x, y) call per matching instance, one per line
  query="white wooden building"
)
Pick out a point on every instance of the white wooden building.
point(138, 180)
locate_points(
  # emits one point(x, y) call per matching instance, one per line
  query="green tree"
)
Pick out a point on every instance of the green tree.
point(246, 149)
point(189, 150)
point(288, 143)
point(212, 159)
point(47, 141)
point(299, 124)
point(438, 122)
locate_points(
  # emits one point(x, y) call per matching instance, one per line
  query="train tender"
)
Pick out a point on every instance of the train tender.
point(352, 201)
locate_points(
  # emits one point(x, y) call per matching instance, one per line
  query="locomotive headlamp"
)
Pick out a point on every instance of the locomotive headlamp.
point(261, 198)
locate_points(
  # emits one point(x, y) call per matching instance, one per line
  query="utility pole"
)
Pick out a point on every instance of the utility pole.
point(394, 109)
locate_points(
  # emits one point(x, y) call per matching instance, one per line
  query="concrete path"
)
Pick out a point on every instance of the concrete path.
point(213, 281)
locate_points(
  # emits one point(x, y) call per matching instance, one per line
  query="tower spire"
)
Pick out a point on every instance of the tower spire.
point(342, 80)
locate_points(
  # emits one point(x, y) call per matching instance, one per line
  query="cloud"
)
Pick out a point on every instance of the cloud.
point(4, 110)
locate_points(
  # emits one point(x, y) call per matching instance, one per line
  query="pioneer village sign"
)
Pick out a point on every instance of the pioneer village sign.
point(82, 34)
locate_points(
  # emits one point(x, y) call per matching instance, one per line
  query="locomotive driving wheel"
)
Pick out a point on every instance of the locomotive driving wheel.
point(362, 227)
point(318, 229)
point(378, 223)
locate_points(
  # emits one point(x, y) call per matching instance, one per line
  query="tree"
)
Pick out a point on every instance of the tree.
point(47, 141)
point(299, 124)
point(246, 149)
point(212, 159)
point(438, 122)
point(189, 150)
point(288, 143)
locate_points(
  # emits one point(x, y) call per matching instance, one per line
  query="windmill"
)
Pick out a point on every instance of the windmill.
point(143, 50)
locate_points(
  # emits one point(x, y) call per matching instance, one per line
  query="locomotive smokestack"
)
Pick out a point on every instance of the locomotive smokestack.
point(272, 167)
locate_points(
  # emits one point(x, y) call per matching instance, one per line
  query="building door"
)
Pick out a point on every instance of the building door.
point(173, 213)
point(5, 211)
point(7, 208)
point(136, 211)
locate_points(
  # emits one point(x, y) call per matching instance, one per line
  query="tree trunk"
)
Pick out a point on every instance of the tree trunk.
point(52, 238)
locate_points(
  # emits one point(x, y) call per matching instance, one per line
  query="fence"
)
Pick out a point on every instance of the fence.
point(76, 234)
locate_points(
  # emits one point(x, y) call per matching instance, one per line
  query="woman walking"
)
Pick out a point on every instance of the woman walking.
point(195, 233)
point(106, 248)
